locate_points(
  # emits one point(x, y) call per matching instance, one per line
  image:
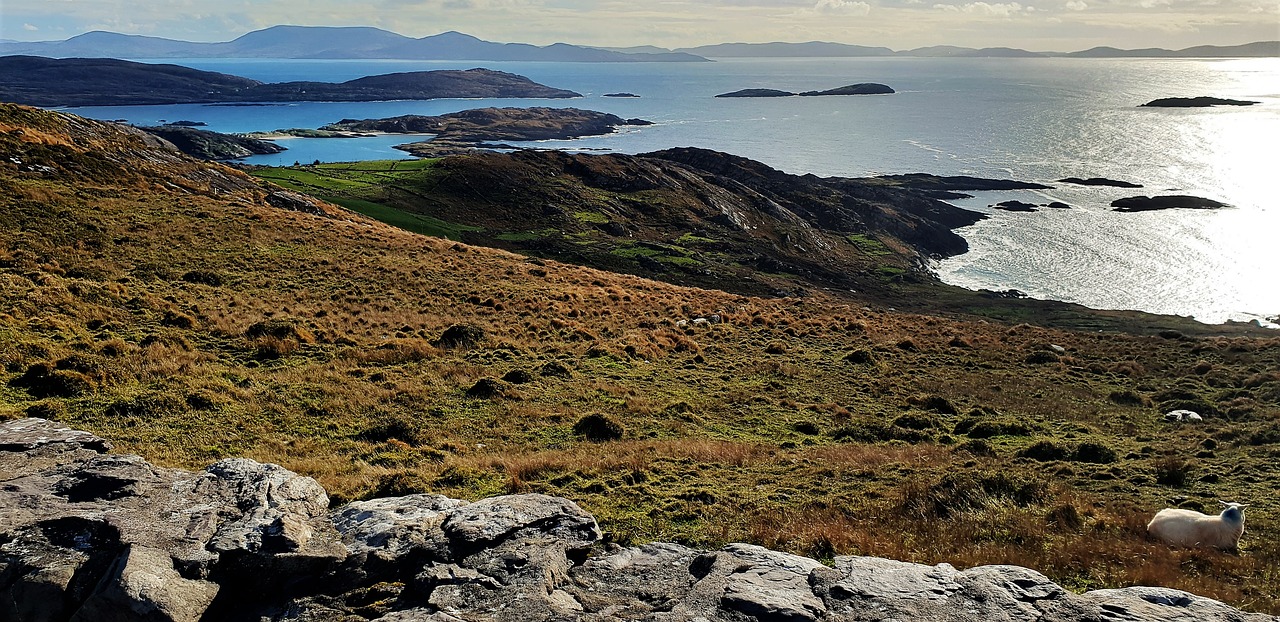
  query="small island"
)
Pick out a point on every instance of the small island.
point(863, 88)
point(1147, 204)
point(1195, 102)
point(470, 128)
point(623, 95)
point(1099, 181)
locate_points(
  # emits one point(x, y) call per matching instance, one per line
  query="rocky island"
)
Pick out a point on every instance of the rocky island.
point(1099, 181)
point(92, 535)
point(1176, 201)
point(470, 128)
point(39, 81)
point(864, 88)
point(1195, 102)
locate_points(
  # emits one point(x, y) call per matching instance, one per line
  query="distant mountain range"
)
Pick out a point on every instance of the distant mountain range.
point(329, 42)
point(826, 49)
point(367, 42)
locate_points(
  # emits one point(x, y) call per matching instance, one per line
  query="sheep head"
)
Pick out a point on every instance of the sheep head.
point(1233, 512)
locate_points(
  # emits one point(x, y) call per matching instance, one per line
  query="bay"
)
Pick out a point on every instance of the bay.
point(1029, 119)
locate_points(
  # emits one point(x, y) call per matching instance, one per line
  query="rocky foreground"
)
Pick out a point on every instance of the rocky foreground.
point(88, 535)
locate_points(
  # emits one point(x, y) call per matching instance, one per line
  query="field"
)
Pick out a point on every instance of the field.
point(172, 310)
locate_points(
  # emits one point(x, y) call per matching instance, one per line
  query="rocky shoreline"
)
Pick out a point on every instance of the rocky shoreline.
point(90, 535)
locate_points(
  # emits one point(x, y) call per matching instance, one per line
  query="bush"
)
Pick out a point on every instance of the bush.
point(1095, 453)
point(598, 428)
point(282, 328)
point(203, 277)
point(1174, 472)
point(860, 357)
point(555, 369)
point(460, 336)
point(42, 380)
point(913, 421)
point(962, 492)
point(486, 388)
point(1045, 451)
point(518, 376)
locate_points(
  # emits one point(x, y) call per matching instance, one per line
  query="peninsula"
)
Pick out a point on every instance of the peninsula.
point(47, 82)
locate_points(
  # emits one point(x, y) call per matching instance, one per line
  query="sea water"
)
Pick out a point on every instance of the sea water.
point(1034, 119)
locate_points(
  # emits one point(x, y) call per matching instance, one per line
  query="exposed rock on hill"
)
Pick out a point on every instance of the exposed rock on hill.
point(208, 145)
point(1195, 102)
point(41, 81)
point(88, 535)
point(481, 124)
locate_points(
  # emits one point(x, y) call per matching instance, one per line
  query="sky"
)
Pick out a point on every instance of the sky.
point(1039, 25)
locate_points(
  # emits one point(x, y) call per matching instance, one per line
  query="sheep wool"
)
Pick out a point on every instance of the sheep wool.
point(1189, 528)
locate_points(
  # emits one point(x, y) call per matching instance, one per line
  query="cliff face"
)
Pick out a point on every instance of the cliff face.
point(89, 535)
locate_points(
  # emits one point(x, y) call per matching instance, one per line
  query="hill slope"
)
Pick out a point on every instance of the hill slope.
point(190, 313)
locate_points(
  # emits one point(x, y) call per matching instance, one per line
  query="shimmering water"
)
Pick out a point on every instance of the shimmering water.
point(1029, 119)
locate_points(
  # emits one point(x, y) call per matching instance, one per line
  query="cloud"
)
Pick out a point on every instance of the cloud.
point(29, 28)
point(842, 6)
point(1077, 5)
point(998, 9)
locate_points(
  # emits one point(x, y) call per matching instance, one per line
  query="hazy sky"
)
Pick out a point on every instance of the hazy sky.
point(1049, 25)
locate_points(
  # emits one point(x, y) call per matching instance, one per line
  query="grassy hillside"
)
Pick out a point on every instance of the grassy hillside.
point(188, 312)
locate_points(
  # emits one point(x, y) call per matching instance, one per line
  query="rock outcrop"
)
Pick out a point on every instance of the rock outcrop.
point(208, 145)
point(87, 535)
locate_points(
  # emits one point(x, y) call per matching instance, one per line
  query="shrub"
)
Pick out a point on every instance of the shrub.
point(961, 492)
point(518, 376)
point(1127, 398)
point(1173, 471)
point(860, 357)
point(399, 484)
point(203, 277)
point(282, 328)
point(936, 403)
point(486, 388)
point(555, 369)
point(977, 447)
point(1094, 452)
point(806, 427)
point(460, 336)
point(42, 380)
point(598, 428)
point(1045, 451)
point(914, 421)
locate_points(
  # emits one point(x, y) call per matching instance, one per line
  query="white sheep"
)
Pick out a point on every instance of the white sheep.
point(1190, 528)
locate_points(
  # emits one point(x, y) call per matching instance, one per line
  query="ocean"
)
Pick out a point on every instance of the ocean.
point(1037, 119)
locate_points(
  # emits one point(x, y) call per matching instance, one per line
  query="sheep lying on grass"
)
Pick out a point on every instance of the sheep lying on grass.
point(1190, 528)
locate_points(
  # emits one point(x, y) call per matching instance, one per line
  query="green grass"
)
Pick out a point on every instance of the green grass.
point(868, 245)
point(595, 218)
point(416, 223)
